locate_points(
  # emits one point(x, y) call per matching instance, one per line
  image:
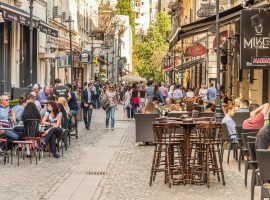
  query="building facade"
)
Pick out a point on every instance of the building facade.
point(194, 39)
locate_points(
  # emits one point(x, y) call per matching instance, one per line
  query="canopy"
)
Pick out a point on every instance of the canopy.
point(133, 78)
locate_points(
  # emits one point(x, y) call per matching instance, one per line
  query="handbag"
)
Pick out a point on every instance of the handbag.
point(136, 100)
point(105, 104)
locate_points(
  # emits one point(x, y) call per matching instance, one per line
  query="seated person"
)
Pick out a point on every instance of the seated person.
point(190, 94)
point(149, 108)
point(244, 106)
point(18, 109)
point(7, 117)
point(52, 121)
point(228, 111)
point(263, 137)
point(157, 107)
point(257, 116)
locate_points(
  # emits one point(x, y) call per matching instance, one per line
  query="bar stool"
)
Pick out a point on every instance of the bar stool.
point(207, 154)
point(168, 153)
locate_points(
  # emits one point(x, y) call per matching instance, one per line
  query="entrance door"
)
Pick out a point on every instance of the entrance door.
point(266, 86)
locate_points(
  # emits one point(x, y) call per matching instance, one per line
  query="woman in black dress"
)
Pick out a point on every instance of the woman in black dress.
point(135, 100)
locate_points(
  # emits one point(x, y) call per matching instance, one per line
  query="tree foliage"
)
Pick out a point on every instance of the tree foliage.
point(148, 55)
point(125, 7)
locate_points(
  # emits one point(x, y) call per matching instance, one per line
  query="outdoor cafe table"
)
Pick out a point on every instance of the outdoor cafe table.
point(188, 125)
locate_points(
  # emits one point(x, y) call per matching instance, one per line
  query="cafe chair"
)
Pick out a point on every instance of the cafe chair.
point(3, 144)
point(244, 152)
point(31, 140)
point(253, 163)
point(207, 154)
point(263, 156)
point(226, 142)
point(168, 153)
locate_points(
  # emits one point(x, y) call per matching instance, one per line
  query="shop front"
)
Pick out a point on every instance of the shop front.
point(15, 45)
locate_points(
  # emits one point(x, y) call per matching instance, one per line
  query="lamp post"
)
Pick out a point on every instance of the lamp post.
point(31, 44)
point(219, 112)
point(2, 89)
point(70, 48)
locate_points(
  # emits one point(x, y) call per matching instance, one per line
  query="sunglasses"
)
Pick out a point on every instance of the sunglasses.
point(5, 100)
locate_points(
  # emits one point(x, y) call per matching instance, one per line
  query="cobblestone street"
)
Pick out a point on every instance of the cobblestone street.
point(105, 164)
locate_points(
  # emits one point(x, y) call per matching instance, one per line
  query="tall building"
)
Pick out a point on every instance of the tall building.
point(145, 13)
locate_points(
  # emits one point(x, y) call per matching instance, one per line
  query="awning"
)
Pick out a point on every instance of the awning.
point(18, 15)
point(203, 25)
point(190, 63)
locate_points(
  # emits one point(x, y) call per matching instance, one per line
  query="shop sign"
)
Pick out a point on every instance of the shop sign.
point(195, 50)
point(46, 29)
point(260, 60)
point(254, 38)
point(15, 17)
point(85, 57)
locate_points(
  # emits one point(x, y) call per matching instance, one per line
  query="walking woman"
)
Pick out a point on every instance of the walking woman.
point(135, 100)
point(52, 121)
point(143, 96)
point(111, 96)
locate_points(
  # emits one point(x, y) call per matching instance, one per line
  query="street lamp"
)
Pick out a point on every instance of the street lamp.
point(31, 7)
point(3, 63)
point(69, 20)
point(219, 112)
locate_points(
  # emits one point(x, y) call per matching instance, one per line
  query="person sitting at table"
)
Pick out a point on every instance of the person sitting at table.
point(244, 106)
point(18, 109)
point(158, 108)
point(7, 117)
point(190, 93)
point(257, 117)
point(52, 121)
point(149, 108)
point(231, 126)
point(263, 137)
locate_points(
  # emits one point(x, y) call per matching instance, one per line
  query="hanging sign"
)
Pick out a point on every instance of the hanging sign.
point(195, 50)
point(85, 57)
point(254, 38)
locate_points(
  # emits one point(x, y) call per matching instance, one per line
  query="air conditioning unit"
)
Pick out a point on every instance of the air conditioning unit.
point(56, 12)
point(64, 17)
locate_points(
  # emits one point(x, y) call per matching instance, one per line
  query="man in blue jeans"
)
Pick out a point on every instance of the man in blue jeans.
point(7, 115)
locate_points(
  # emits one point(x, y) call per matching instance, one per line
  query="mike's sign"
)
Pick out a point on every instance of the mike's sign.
point(255, 41)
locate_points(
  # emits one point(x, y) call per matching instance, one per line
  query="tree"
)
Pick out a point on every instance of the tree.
point(125, 7)
point(148, 55)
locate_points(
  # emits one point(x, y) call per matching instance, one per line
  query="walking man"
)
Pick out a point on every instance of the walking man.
point(88, 99)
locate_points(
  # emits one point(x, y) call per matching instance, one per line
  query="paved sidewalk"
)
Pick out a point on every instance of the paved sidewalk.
point(107, 165)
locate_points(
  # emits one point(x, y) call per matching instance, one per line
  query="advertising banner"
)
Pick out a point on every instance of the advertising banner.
point(254, 38)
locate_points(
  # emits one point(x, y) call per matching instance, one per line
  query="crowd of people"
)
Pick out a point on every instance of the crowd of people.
point(55, 107)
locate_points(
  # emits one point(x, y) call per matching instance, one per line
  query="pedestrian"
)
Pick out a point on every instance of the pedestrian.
point(203, 93)
point(157, 94)
point(87, 99)
point(150, 91)
point(97, 94)
point(212, 93)
point(127, 103)
point(110, 95)
point(177, 94)
point(163, 90)
point(142, 96)
point(171, 91)
point(135, 98)
point(60, 90)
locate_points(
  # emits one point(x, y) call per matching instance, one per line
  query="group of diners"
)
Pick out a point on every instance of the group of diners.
point(52, 107)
